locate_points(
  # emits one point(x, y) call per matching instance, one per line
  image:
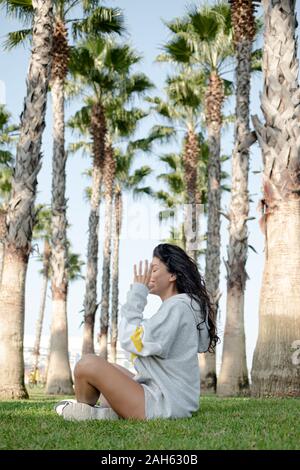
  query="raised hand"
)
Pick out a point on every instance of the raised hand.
point(143, 277)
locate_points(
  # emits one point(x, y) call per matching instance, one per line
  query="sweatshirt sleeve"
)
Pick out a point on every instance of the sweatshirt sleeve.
point(147, 337)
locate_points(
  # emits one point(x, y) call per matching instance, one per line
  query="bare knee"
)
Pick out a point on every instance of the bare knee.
point(85, 365)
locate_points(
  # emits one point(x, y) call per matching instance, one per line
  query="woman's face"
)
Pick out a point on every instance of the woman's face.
point(160, 280)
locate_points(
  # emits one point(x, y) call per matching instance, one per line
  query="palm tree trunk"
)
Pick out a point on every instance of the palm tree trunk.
point(191, 217)
point(39, 323)
point(20, 216)
point(115, 274)
point(59, 379)
point(212, 255)
point(233, 379)
point(98, 131)
point(275, 367)
point(109, 173)
point(214, 99)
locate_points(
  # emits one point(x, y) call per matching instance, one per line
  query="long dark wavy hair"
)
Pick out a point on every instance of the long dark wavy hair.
point(189, 281)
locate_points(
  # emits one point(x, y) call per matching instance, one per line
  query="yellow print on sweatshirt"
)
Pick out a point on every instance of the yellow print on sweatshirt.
point(136, 338)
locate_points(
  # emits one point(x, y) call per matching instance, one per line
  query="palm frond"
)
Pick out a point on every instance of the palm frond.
point(42, 222)
point(177, 25)
point(101, 20)
point(6, 157)
point(179, 50)
point(138, 192)
point(74, 265)
point(140, 174)
point(137, 83)
point(17, 38)
point(121, 57)
point(124, 122)
point(81, 120)
point(83, 145)
point(204, 23)
point(163, 108)
point(20, 9)
point(162, 134)
point(171, 159)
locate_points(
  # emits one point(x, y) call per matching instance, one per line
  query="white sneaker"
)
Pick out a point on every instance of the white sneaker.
point(82, 411)
point(60, 405)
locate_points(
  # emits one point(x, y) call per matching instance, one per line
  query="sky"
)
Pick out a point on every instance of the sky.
point(141, 231)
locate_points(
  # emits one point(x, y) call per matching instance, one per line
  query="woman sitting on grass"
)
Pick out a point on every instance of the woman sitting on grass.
point(163, 348)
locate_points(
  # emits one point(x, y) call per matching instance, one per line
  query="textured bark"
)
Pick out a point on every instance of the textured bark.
point(190, 164)
point(109, 174)
point(214, 100)
point(60, 50)
point(115, 273)
point(11, 335)
point(59, 379)
point(20, 215)
point(233, 379)
point(98, 131)
point(274, 372)
point(39, 323)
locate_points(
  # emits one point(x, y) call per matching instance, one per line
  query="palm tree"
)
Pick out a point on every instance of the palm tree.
point(20, 214)
point(59, 374)
point(274, 368)
point(41, 231)
point(203, 40)
point(125, 181)
point(108, 180)
point(233, 378)
point(103, 67)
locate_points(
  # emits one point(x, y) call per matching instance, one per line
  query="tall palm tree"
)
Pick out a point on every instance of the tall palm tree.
point(102, 71)
point(20, 214)
point(233, 378)
point(59, 374)
point(41, 231)
point(108, 180)
point(275, 369)
point(203, 39)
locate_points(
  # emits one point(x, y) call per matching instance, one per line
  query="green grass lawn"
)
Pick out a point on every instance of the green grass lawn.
point(231, 423)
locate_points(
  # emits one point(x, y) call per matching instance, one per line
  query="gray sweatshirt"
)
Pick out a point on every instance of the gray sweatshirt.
point(164, 348)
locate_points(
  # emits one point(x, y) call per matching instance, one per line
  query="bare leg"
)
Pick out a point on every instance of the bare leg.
point(94, 374)
point(102, 399)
